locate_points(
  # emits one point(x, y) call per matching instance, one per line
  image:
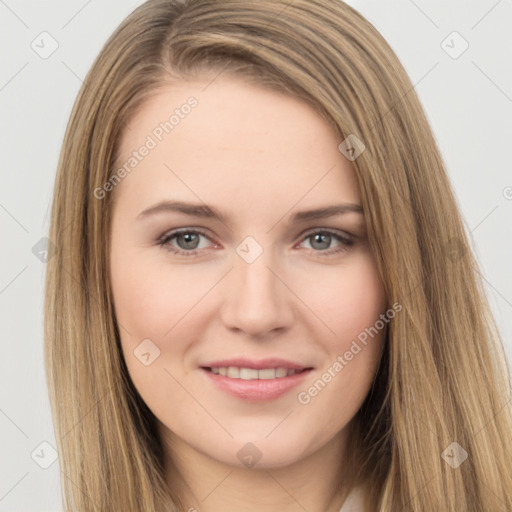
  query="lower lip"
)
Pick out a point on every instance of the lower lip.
point(257, 390)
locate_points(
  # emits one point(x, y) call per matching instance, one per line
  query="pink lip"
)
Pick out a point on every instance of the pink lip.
point(256, 390)
point(256, 365)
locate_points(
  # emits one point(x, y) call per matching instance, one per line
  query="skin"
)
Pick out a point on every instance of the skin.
point(258, 156)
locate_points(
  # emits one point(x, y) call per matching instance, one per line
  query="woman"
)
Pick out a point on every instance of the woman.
point(263, 296)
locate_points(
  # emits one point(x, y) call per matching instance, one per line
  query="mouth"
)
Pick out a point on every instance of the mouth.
point(235, 372)
point(255, 380)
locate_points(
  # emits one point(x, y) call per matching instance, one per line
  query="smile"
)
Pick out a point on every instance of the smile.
point(234, 372)
point(255, 381)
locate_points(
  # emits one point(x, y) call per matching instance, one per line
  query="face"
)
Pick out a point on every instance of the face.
point(240, 307)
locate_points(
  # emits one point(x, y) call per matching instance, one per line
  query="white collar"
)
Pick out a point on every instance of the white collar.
point(353, 502)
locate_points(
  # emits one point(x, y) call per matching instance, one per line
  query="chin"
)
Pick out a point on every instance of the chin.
point(260, 452)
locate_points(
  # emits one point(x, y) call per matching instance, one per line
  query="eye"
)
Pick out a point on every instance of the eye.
point(320, 242)
point(188, 241)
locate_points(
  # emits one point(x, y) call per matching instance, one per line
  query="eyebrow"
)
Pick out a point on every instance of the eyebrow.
point(205, 211)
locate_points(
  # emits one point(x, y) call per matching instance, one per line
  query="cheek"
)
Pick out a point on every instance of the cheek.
point(152, 298)
point(350, 304)
point(347, 300)
point(151, 306)
point(171, 307)
point(161, 303)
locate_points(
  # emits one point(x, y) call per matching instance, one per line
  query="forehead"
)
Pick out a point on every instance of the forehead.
point(233, 140)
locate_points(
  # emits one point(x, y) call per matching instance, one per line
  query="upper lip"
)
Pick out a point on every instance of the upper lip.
point(256, 364)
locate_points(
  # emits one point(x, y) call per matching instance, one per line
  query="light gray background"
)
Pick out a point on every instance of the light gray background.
point(468, 101)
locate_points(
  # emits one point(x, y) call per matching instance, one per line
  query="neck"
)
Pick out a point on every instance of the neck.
point(316, 483)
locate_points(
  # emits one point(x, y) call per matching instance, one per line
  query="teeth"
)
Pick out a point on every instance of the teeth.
point(234, 372)
point(248, 373)
point(268, 373)
point(281, 372)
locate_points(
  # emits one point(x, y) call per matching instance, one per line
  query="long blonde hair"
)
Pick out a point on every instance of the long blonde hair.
point(443, 377)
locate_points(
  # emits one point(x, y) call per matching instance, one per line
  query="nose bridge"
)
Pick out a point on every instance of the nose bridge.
point(256, 279)
point(256, 300)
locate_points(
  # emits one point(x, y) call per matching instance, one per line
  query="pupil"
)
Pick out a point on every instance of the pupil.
point(324, 243)
point(190, 240)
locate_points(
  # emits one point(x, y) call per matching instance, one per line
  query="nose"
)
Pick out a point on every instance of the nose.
point(257, 300)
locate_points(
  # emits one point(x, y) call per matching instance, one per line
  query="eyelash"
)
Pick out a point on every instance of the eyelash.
point(345, 242)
